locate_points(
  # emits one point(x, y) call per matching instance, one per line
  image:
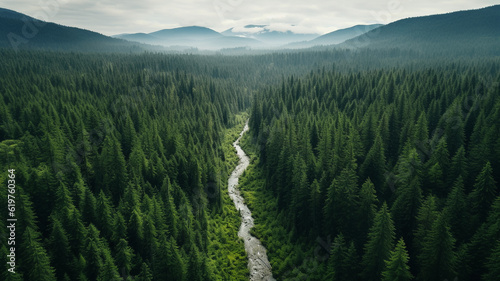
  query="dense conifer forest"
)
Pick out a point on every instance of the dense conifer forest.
point(366, 165)
point(394, 173)
point(119, 168)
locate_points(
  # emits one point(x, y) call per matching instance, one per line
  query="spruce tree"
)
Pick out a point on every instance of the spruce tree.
point(427, 215)
point(456, 212)
point(171, 215)
point(374, 165)
point(342, 203)
point(438, 258)
point(367, 207)
point(59, 250)
point(123, 257)
point(484, 192)
point(145, 274)
point(493, 264)
point(397, 268)
point(34, 259)
point(343, 263)
point(379, 245)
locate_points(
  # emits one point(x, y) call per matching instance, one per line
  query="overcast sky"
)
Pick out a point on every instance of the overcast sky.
point(112, 17)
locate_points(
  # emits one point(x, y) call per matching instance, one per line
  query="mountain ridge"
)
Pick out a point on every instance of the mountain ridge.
point(468, 30)
point(20, 31)
point(335, 37)
point(190, 36)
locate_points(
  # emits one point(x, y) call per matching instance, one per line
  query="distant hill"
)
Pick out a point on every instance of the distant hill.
point(341, 35)
point(271, 38)
point(20, 31)
point(469, 32)
point(187, 32)
point(465, 32)
point(335, 37)
point(191, 36)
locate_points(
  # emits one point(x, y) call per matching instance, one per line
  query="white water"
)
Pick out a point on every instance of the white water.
point(258, 264)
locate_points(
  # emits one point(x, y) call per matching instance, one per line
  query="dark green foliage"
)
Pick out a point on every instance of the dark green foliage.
point(424, 136)
point(456, 211)
point(113, 154)
point(341, 203)
point(493, 265)
point(121, 163)
point(123, 258)
point(34, 259)
point(409, 196)
point(438, 258)
point(367, 208)
point(484, 192)
point(480, 247)
point(343, 263)
point(379, 245)
point(145, 274)
point(397, 268)
point(374, 165)
point(59, 250)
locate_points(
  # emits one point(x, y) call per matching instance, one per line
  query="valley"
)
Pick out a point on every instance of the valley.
point(261, 152)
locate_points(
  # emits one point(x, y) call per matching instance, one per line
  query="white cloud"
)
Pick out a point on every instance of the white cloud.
point(250, 30)
point(313, 16)
point(283, 27)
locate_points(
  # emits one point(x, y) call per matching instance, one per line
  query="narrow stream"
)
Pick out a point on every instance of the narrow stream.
point(258, 264)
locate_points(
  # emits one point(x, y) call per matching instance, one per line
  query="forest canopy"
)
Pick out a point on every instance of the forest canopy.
point(121, 164)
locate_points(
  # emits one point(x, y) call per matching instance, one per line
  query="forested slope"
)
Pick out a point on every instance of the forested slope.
point(120, 168)
point(393, 171)
point(469, 33)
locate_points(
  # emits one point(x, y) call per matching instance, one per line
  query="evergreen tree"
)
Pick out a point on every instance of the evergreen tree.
point(300, 194)
point(367, 207)
point(135, 230)
point(59, 250)
point(104, 220)
point(484, 192)
point(438, 258)
point(171, 215)
point(342, 203)
point(379, 245)
point(123, 257)
point(343, 260)
point(427, 215)
point(493, 265)
point(114, 173)
point(374, 165)
point(34, 259)
point(406, 206)
point(145, 274)
point(109, 270)
point(480, 245)
point(458, 167)
point(5, 274)
point(397, 268)
point(456, 212)
point(92, 253)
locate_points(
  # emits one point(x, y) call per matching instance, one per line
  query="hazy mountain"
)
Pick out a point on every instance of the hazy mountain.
point(187, 32)
point(341, 35)
point(265, 34)
point(191, 36)
point(20, 31)
point(466, 32)
point(335, 37)
point(9, 14)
